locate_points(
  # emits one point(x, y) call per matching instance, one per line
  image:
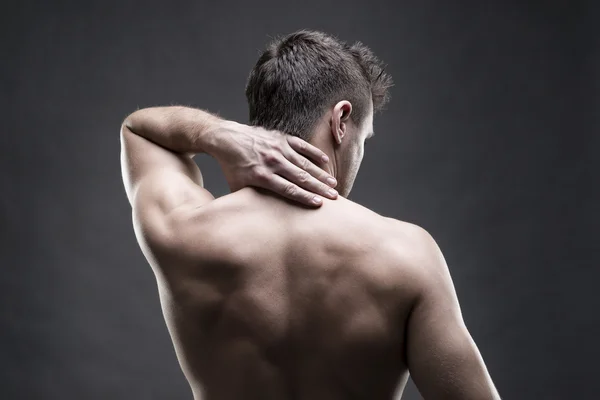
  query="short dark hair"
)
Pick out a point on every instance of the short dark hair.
point(300, 75)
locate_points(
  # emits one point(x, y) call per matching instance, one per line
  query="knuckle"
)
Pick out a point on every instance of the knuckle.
point(290, 190)
point(278, 147)
point(271, 159)
point(303, 176)
point(305, 163)
point(260, 176)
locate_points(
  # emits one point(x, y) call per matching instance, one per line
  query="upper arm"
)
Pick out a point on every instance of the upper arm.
point(158, 182)
point(442, 357)
point(156, 176)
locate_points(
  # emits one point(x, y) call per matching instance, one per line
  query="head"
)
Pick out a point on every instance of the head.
point(314, 86)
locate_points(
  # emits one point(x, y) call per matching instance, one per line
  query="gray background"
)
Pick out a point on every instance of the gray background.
point(490, 143)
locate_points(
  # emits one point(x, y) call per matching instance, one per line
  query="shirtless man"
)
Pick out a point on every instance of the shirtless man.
point(268, 295)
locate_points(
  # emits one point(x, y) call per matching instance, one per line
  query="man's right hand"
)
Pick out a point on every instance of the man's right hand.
point(284, 164)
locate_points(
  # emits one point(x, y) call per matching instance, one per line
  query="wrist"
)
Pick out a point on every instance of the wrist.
point(219, 140)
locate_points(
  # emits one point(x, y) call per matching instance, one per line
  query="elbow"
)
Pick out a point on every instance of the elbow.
point(131, 121)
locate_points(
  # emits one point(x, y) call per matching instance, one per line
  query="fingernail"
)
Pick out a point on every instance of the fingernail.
point(325, 159)
point(333, 192)
point(331, 181)
point(317, 200)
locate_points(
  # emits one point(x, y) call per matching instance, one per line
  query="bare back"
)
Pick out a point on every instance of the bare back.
point(285, 302)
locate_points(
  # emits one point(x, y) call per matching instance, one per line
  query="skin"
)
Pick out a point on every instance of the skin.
point(268, 295)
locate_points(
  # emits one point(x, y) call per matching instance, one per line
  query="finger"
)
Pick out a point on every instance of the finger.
point(291, 191)
point(305, 180)
point(312, 169)
point(307, 149)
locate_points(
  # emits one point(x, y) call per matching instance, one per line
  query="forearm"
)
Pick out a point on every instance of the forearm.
point(180, 129)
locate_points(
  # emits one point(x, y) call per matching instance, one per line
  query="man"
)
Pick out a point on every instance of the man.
point(269, 293)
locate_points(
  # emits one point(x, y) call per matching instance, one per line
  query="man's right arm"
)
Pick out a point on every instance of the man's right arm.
point(442, 357)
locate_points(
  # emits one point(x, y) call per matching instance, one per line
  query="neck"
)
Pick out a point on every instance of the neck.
point(323, 143)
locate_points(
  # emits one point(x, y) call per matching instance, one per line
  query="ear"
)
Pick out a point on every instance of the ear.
point(339, 120)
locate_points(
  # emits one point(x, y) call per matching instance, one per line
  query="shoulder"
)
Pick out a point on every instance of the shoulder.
point(177, 236)
point(225, 230)
point(401, 261)
point(418, 237)
point(414, 249)
point(396, 239)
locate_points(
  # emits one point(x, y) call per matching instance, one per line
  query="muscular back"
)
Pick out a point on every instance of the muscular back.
point(268, 300)
point(274, 301)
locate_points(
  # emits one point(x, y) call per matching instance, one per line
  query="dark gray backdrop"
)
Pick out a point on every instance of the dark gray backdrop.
point(490, 143)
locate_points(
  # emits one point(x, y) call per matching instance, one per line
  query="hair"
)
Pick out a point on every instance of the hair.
point(298, 77)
